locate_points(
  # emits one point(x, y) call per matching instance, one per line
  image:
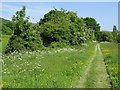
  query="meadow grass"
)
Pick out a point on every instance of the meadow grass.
point(5, 39)
point(54, 68)
point(110, 53)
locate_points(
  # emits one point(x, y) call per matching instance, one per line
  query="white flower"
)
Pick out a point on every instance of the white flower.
point(4, 72)
point(20, 58)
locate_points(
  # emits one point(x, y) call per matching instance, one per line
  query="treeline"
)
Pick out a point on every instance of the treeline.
point(6, 26)
point(58, 28)
point(113, 36)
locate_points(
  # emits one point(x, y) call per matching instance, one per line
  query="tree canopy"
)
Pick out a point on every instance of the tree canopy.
point(92, 24)
point(106, 36)
point(24, 36)
point(58, 28)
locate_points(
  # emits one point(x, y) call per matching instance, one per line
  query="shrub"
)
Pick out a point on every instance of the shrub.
point(106, 36)
point(24, 36)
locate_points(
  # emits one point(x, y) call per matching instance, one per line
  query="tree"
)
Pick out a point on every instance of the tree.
point(106, 36)
point(63, 26)
point(115, 33)
point(92, 24)
point(118, 39)
point(114, 28)
point(56, 28)
point(24, 36)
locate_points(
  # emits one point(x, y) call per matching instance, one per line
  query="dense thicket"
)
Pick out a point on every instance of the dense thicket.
point(92, 24)
point(63, 27)
point(24, 36)
point(58, 28)
point(106, 36)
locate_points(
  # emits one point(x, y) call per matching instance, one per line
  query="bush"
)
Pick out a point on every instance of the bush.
point(58, 44)
point(58, 28)
point(24, 36)
point(63, 26)
point(106, 36)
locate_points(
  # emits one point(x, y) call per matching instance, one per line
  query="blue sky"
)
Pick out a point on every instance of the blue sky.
point(106, 13)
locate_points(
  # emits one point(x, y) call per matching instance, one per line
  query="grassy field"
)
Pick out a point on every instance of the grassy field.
point(110, 53)
point(55, 68)
point(4, 42)
point(51, 68)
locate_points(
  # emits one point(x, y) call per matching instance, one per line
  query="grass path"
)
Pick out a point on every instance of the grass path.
point(95, 75)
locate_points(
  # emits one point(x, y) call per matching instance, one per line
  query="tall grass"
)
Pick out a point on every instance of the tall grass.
point(110, 52)
point(5, 39)
point(55, 68)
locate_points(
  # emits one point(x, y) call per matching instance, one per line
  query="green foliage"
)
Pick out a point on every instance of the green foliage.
point(4, 42)
point(110, 53)
point(58, 28)
point(6, 26)
point(4, 21)
point(118, 39)
point(115, 34)
point(106, 36)
point(64, 27)
point(6, 30)
point(24, 36)
point(92, 24)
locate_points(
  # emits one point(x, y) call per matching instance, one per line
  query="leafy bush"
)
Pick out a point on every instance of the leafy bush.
point(63, 26)
point(58, 28)
point(106, 36)
point(92, 24)
point(24, 36)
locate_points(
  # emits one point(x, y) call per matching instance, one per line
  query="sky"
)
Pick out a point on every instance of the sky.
point(105, 13)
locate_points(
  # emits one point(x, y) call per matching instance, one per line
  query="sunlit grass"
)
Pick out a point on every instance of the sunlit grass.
point(5, 39)
point(53, 68)
point(110, 52)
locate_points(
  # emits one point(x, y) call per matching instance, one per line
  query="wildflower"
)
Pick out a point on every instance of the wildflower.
point(20, 58)
point(26, 62)
point(4, 72)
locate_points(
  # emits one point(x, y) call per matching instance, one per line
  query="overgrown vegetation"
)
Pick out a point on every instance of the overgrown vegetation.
point(58, 28)
point(110, 53)
point(53, 68)
point(24, 36)
point(92, 24)
point(5, 39)
point(106, 36)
